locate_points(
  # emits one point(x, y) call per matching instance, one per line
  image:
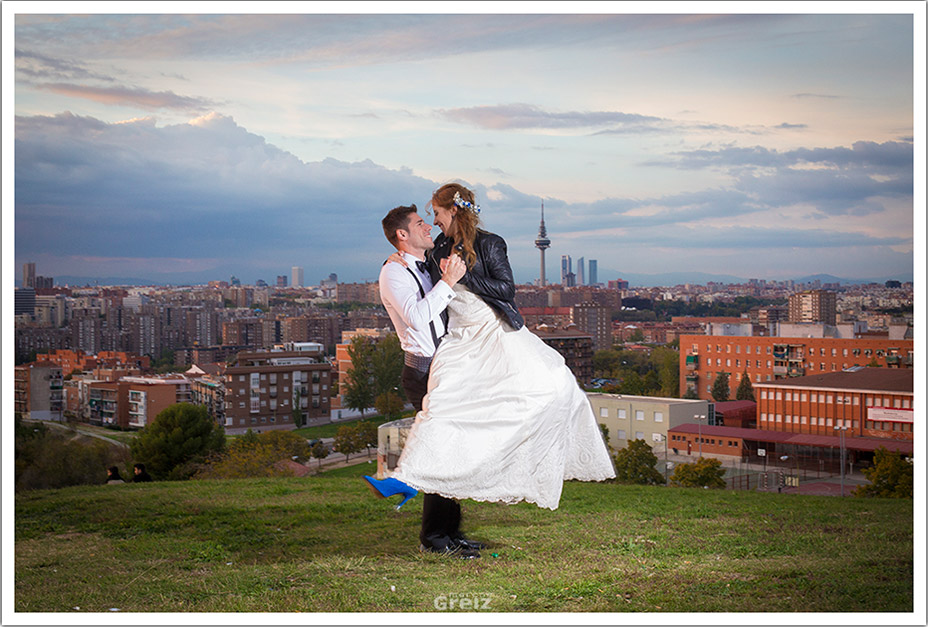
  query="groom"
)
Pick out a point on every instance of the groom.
point(415, 297)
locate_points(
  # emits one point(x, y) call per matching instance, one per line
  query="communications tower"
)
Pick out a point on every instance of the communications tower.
point(542, 242)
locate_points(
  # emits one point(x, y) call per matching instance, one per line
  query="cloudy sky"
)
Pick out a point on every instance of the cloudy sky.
point(185, 148)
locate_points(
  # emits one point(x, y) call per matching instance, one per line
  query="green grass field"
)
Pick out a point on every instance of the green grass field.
point(324, 544)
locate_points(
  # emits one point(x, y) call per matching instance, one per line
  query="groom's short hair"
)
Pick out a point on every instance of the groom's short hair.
point(398, 218)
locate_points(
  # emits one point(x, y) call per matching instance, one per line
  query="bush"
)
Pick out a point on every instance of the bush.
point(890, 476)
point(256, 456)
point(180, 438)
point(635, 464)
point(705, 472)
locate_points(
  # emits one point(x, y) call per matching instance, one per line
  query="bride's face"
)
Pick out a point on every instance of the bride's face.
point(444, 219)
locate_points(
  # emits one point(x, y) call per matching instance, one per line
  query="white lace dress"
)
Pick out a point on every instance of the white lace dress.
point(504, 419)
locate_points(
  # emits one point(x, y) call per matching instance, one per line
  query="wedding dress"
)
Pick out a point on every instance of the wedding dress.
point(504, 419)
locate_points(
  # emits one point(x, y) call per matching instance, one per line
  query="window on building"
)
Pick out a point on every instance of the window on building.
point(658, 416)
point(803, 420)
point(789, 396)
point(828, 422)
point(763, 417)
point(639, 435)
point(803, 397)
point(779, 417)
point(639, 414)
point(622, 414)
point(621, 434)
point(763, 395)
point(857, 401)
point(603, 412)
point(779, 395)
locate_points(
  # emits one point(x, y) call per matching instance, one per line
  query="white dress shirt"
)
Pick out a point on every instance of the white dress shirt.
point(409, 311)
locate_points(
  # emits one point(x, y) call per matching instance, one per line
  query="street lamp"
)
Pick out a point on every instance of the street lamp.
point(699, 418)
point(841, 429)
point(666, 463)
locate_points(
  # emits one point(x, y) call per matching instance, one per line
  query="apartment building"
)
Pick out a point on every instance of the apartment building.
point(646, 418)
point(813, 306)
point(595, 320)
point(134, 402)
point(37, 391)
point(765, 359)
point(210, 392)
point(265, 389)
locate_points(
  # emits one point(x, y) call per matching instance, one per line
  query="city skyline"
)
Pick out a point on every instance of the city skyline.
point(186, 148)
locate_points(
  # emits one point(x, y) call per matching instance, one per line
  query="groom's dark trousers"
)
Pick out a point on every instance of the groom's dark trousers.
point(441, 517)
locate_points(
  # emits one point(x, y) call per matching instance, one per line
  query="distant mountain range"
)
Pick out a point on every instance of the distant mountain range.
point(702, 278)
point(666, 279)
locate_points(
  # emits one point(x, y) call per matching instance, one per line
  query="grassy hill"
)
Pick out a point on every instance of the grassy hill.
point(324, 544)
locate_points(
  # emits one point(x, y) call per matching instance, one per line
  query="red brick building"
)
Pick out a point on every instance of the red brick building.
point(865, 403)
point(766, 359)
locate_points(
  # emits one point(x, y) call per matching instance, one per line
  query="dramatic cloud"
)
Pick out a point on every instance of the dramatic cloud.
point(205, 189)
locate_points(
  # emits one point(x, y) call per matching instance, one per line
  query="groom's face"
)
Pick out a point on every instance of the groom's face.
point(420, 233)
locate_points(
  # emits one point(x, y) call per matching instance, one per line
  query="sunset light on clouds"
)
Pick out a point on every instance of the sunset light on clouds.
point(184, 148)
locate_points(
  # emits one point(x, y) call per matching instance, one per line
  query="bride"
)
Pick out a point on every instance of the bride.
point(504, 419)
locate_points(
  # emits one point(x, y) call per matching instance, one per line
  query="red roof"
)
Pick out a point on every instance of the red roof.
point(801, 439)
point(735, 406)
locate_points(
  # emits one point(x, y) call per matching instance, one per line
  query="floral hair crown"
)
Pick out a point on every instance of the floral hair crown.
point(460, 203)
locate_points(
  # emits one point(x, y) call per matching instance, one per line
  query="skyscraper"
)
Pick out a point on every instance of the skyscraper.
point(296, 276)
point(568, 278)
point(593, 279)
point(29, 274)
point(542, 243)
point(581, 274)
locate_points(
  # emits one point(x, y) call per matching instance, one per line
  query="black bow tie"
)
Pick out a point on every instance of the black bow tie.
point(423, 267)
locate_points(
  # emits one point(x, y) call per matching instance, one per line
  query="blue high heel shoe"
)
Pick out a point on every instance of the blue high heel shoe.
point(383, 488)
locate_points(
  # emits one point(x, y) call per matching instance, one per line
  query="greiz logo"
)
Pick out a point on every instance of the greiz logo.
point(455, 601)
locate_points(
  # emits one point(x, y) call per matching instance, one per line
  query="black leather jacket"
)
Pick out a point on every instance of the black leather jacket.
point(491, 275)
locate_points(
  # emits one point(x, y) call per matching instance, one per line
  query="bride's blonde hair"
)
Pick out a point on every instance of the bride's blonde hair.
point(466, 220)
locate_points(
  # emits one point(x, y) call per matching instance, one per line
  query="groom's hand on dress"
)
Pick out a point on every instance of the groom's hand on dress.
point(452, 269)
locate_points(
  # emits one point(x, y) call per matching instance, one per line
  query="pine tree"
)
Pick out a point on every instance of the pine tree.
point(720, 388)
point(745, 390)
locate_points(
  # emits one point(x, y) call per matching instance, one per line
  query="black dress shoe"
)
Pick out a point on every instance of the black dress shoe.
point(460, 540)
point(446, 546)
